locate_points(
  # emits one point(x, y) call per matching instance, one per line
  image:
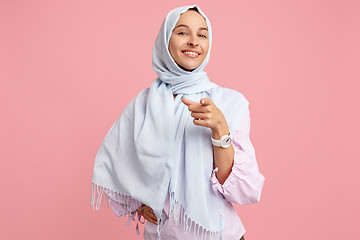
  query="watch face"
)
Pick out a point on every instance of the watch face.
point(226, 142)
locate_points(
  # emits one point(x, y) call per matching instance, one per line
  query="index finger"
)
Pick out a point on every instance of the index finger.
point(192, 106)
point(188, 102)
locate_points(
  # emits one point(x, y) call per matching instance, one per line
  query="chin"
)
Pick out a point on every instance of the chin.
point(190, 69)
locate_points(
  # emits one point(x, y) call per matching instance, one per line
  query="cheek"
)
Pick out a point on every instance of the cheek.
point(206, 49)
point(172, 48)
point(176, 43)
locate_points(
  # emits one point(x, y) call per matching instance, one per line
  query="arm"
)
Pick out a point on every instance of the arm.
point(121, 205)
point(236, 174)
point(223, 157)
point(206, 114)
point(244, 183)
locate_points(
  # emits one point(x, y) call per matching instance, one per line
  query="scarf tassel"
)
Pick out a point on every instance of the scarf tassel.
point(200, 233)
point(98, 199)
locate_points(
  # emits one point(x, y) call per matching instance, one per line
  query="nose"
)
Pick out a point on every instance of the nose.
point(192, 44)
point(192, 41)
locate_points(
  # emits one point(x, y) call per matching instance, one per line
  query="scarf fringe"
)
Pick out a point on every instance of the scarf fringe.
point(200, 233)
point(98, 198)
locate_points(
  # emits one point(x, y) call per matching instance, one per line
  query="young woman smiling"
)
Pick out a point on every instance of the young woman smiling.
point(180, 153)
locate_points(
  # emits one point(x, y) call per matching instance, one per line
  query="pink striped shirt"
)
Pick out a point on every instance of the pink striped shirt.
point(243, 186)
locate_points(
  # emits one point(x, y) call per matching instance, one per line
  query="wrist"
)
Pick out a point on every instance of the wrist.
point(219, 131)
point(141, 207)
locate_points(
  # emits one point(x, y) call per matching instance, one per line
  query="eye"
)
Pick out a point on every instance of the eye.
point(202, 36)
point(182, 33)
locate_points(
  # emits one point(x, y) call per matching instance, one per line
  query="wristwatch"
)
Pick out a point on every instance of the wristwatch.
point(224, 142)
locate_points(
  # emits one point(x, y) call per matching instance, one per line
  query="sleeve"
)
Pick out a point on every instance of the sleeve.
point(245, 182)
point(117, 203)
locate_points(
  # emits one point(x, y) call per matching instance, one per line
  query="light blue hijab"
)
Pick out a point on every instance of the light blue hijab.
point(154, 148)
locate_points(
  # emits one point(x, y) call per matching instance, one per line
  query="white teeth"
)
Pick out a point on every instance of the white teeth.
point(193, 53)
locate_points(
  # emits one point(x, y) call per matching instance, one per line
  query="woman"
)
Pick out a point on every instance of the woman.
point(180, 152)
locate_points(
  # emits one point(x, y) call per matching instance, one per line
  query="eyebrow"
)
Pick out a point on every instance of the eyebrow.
point(183, 25)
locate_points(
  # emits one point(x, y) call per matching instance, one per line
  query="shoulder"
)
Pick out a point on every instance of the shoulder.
point(137, 101)
point(232, 104)
point(226, 96)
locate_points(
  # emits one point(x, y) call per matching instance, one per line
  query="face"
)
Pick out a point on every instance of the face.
point(189, 43)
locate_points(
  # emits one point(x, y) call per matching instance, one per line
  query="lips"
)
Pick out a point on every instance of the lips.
point(191, 53)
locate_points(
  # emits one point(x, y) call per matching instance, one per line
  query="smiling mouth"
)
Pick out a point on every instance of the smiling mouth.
point(190, 53)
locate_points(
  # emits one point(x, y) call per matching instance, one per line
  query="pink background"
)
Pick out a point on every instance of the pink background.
point(68, 68)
